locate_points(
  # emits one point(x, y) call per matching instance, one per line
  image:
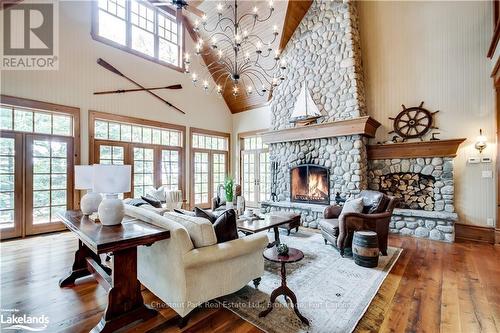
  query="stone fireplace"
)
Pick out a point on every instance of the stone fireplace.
point(413, 190)
point(310, 184)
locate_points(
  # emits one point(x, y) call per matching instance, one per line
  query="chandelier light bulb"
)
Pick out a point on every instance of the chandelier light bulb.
point(219, 89)
point(255, 10)
point(220, 8)
point(194, 77)
point(275, 82)
point(196, 23)
point(235, 91)
point(220, 54)
point(186, 58)
point(277, 55)
point(187, 69)
point(258, 45)
point(245, 33)
point(205, 85)
point(247, 56)
point(204, 18)
point(237, 38)
point(214, 42)
point(275, 28)
point(249, 90)
point(283, 64)
point(271, 3)
point(263, 89)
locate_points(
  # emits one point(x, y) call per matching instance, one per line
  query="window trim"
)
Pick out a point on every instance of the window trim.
point(94, 143)
point(195, 130)
point(94, 33)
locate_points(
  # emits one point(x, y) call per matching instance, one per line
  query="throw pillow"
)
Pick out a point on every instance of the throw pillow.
point(158, 194)
point(205, 214)
point(225, 226)
point(184, 212)
point(351, 206)
point(136, 202)
point(152, 201)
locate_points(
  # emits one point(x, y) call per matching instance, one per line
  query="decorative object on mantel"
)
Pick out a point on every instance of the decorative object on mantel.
point(305, 111)
point(434, 136)
point(113, 69)
point(413, 122)
point(437, 148)
point(366, 126)
point(480, 142)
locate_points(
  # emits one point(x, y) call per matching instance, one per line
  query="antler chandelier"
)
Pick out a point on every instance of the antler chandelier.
point(236, 54)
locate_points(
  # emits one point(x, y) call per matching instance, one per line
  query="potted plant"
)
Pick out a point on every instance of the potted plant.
point(228, 189)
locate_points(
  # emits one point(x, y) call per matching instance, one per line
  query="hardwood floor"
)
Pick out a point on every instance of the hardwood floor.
point(433, 287)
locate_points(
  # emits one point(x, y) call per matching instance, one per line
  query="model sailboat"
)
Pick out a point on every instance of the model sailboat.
point(305, 110)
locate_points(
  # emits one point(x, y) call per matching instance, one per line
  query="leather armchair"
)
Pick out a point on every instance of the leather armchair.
point(219, 203)
point(376, 216)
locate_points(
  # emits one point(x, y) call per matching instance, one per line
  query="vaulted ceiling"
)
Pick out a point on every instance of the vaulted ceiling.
point(286, 17)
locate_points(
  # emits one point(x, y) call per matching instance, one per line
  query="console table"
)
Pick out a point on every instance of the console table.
point(125, 302)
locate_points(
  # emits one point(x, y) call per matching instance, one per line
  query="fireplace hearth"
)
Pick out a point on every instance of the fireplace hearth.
point(310, 184)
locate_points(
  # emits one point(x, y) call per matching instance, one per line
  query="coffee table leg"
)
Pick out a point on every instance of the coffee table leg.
point(276, 238)
point(79, 268)
point(125, 302)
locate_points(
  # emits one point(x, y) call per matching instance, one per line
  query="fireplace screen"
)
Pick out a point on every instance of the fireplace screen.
point(310, 184)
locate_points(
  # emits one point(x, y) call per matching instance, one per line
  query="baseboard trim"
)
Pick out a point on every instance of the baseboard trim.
point(497, 236)
point(476, 233)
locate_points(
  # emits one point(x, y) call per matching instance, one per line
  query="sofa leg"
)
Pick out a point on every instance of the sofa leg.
point(256, 282)
point(296, 229)
point(288, 234)
point(326, 242)
point(384, 252)
point(183, 321)
point(341, 252)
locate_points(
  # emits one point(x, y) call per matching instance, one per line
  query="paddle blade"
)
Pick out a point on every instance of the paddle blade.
point(194, 10)
point(174, 86)
point(108, 66)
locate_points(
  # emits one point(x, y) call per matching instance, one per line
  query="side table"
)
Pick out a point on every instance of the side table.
point(294, 255)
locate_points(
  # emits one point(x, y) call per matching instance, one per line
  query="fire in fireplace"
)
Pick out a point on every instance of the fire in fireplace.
point(310, 184)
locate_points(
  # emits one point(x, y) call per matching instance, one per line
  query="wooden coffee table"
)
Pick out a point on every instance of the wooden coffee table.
point(125, 302)
point(269, 221)
point(293, 255)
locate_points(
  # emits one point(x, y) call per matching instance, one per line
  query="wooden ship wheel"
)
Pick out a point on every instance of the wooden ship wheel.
point(413, 122)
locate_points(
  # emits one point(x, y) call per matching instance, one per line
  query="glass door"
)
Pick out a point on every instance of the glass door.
point(256, 177)
point(143, 171)
point(49, 180)
point(201, 179)
point(264, 181)
point(219, 171)
point(11, 185)
point(249, 181)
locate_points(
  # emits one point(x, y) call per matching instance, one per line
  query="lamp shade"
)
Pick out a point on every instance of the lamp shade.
point(83, 177)
point(111, 178)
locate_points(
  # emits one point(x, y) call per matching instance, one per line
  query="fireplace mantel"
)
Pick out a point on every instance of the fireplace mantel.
point(366, 126)
point(438, 148)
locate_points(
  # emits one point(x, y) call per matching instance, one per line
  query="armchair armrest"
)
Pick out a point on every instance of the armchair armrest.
point(226, 251)
point(376, 216)
point(215, 202)
point(332, 212)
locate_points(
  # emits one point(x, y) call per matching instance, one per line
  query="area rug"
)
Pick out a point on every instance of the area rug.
point(332, 292)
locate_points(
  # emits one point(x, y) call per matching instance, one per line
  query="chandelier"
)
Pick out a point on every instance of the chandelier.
point(236, 54)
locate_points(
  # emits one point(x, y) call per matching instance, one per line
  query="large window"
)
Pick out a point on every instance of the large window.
point(140, 28)
point(255, 169)
point(38, 151)
point(210, 165)
point(154, 149)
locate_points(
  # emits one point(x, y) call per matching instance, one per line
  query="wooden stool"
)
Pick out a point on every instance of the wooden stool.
point(365, 248)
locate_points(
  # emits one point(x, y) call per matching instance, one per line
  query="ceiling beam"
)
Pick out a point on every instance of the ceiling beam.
point(295, 12)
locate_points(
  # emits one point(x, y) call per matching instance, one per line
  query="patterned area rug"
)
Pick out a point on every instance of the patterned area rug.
point(333, 292)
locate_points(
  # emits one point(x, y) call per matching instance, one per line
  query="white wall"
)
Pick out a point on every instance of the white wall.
point(436, 52)
point(79, 76)
point(433, 52)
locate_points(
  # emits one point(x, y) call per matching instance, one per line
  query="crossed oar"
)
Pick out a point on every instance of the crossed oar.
point(111, 68)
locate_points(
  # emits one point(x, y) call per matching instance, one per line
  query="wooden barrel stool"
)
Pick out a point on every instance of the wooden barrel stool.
point(365, 248)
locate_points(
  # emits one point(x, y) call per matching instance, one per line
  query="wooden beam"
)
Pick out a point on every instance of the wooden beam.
point(366, 126)
point(295, 12)
point(439, 148)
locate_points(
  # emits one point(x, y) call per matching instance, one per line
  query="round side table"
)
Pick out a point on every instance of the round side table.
point(293, 255)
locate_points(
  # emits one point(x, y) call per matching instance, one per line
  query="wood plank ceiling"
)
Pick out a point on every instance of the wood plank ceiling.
point(287, 16)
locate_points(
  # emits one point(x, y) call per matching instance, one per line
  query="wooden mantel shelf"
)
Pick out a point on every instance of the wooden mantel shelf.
point(366, 126)
point(438, 148)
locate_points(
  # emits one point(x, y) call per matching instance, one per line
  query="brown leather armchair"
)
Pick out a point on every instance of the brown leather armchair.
point(376, 216)
point(219, 202)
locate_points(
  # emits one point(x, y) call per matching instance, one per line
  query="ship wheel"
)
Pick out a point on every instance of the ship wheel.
point(413, 122)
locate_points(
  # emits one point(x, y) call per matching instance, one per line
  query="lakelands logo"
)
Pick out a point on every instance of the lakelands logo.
point(16, 322)
point(30, 36)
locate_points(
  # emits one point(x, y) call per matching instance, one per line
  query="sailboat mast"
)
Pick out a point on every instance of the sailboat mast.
point(305, 94)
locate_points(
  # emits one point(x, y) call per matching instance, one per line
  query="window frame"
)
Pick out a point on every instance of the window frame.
point(94, 32)
point(128, 157)
point(193, 150)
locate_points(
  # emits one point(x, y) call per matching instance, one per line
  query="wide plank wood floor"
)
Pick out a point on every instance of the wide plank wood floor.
point(434, 287)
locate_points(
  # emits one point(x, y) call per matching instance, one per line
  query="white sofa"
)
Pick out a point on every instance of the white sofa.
point(190, 268)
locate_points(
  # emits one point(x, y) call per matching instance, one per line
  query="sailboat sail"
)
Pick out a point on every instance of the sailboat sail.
point(305, 106)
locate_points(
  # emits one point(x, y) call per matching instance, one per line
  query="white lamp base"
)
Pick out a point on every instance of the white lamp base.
point(111, 210)
point(90, 202)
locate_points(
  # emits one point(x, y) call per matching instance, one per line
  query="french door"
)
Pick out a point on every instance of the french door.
point(256, 177)
point(209, 169)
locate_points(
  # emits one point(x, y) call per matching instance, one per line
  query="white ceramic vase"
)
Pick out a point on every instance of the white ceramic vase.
point(229, 205)
point(111, 210)
point(90, 202)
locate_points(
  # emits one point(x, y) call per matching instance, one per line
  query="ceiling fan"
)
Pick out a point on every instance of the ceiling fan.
point(188, 5)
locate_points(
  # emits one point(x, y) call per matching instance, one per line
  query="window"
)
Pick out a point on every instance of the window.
point(155, 150)
point(140, 28)
point(255, 169)
point(210, 164)
point(38, 151)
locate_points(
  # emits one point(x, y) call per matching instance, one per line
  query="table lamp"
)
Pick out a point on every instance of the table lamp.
point(83, 181)
point(111, 180)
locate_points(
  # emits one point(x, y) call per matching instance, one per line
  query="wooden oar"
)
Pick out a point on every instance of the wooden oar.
point(110, 68)
point(119, 91)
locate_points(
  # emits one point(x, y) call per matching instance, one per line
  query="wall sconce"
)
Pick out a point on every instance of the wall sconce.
point(481, 142)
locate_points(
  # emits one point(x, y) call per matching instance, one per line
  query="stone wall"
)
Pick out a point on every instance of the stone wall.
point(325, 52)
point(423, 224)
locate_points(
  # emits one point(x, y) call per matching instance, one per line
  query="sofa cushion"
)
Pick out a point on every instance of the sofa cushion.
point(152, 201)
point(373, 201)
point(200, 230)
point(205, 214)
point(184, 212)
point(225, 226)
point(330, 226)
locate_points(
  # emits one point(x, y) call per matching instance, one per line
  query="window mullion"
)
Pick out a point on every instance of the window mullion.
point(156, 35)
point(128, 24)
